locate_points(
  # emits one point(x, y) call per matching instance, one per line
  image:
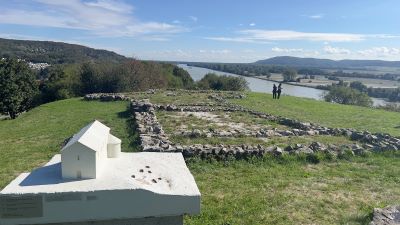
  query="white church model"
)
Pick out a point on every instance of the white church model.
point(92, 181)
point(84, 156)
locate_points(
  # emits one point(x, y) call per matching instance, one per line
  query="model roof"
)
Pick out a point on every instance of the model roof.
point(93, 136)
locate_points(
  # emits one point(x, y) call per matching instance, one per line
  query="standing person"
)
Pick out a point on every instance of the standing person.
point(274, 92)
point(279, 90)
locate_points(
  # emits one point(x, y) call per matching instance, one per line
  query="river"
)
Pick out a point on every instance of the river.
point(259, 85)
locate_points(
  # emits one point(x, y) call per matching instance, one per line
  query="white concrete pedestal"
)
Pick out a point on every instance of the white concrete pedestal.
point(173, 220)
point(139, 188)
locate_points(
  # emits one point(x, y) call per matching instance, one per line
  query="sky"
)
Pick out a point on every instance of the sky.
point(212, 30)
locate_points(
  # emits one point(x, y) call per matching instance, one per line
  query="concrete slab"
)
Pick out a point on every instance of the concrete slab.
point(134, 185)
point(174, 220)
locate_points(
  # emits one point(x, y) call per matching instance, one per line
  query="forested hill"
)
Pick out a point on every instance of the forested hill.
point(325, 63)
point(54, 52)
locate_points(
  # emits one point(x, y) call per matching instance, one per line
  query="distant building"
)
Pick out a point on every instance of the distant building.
point(38, 66)
point(83, 157)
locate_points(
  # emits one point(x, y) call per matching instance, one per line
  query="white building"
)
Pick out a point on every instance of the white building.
point(84, 156)
point(93, 182)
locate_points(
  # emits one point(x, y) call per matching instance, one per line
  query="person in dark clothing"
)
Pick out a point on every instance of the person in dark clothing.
point(274, 89)
point(279, 91)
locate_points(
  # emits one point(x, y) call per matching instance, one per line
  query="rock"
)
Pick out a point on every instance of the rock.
point(316, 147)
point(151, 91)
point(304, 126)
point(311, 132)
point(286, 133)
point(386, 216)
point(304, 150)
point(275, 150)
point(355, 136)
point(289, 148)
point(171, 108)
point(196, 133)
point(157, 129)
point(358, 150)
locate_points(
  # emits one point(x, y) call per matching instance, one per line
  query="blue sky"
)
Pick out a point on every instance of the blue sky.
point(213, 30)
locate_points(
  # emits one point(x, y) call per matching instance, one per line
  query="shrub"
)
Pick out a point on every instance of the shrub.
point(289, 75)
point(348, 96)
point(223, 83)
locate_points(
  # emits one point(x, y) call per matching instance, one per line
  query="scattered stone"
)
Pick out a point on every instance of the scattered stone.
point(154, 139)
point(386, 216)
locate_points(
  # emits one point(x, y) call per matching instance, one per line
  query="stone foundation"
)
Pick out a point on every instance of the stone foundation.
point(154, 139)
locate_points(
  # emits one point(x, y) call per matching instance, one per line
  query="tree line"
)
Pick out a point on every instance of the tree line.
point(251, 69)
point(22, 88)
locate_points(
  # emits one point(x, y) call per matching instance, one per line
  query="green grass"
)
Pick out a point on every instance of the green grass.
point(181, 97)
point(173, 120)
point(291, 191)
point(266, 142)
point(286, 190)
point(34, 137)
point(327, 114)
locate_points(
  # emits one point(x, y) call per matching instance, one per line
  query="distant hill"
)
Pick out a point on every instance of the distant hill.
point(325, 63)
point(54, 52)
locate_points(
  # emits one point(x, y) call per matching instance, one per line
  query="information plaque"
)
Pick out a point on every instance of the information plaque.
point(21, 206)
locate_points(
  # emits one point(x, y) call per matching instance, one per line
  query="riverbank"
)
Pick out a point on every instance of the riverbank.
point(265, 86)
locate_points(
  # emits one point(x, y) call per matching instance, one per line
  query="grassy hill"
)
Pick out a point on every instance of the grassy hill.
point(286, 190)
point(326, 114)
point(54, 52)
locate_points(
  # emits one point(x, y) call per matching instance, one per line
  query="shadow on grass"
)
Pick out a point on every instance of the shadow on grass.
point(131, 129)
point(363, 219)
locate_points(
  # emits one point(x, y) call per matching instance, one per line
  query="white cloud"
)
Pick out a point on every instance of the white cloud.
point(237, 39)
point(215, 51)
point(287, 50)
point(252, 24)
point(288, 35)
point(101, 17)
point(380, 52)
point(194, 18)
point(116, 6)
point(266, 36)
point(316, 16)
point(336, 51)
point(202, 55)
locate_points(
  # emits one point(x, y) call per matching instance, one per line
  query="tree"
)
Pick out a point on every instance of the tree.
point(57, 86)
point(289, 75)
point(359, 86)
point(184, 76)
point(89, 78)
point(348, 96)
point(222, 83)
point(17, 87)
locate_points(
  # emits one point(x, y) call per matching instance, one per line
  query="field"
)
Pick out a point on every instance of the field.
point(321, 80)
point(327, 114)
point(288, 190)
